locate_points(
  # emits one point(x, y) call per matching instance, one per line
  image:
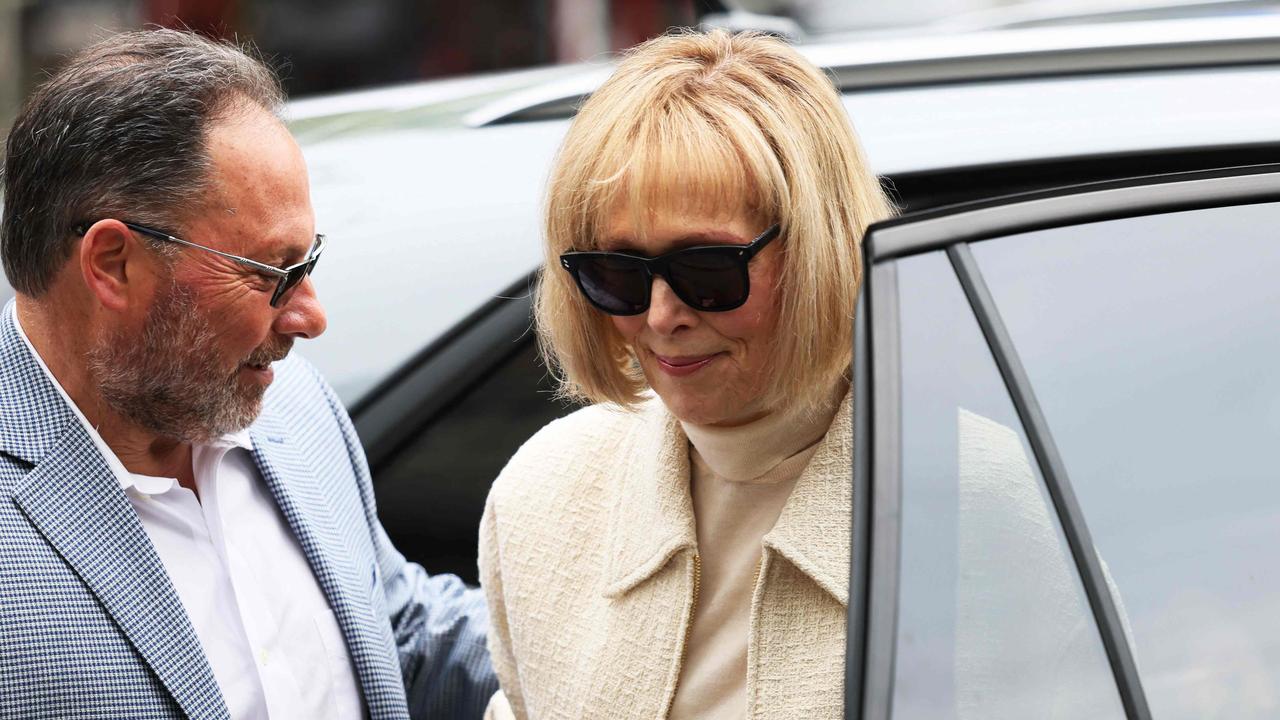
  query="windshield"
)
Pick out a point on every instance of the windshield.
point(810, 18)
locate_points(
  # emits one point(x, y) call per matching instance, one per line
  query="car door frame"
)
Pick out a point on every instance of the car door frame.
point(877, 465)
point(393, 413)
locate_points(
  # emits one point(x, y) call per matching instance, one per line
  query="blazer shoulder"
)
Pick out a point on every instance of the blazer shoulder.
point(571, 455)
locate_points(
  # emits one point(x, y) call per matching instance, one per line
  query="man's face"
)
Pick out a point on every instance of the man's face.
point(200, 359)
point(170, 379)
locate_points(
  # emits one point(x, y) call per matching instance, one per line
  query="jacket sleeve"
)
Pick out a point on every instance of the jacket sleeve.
point(510, 703)
point(439, 624)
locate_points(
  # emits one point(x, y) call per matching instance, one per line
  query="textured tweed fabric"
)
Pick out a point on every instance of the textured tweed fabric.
point(587, 556)
point(90, 625)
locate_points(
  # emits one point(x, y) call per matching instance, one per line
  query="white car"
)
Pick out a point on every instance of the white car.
point(1067, 476)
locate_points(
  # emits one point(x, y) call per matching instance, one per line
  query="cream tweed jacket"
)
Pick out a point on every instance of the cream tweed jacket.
point(588, 557)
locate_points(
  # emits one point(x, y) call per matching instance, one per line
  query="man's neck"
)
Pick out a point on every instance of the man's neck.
point(143, 453)
point(140, 451)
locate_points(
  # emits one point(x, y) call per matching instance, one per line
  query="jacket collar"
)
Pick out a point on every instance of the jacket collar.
point(33, 416)
point(302, 489)
point(815, 525)
point(74, 500)
point(652, 518)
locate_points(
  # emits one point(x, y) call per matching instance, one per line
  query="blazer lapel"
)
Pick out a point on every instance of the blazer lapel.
point(75, 501)
point(298, 491)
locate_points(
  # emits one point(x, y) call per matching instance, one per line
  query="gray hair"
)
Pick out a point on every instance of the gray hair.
point(120, 131)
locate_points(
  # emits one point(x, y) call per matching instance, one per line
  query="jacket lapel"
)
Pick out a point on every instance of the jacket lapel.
point(814, 528)
point(650, 576)
point(75, 502)
point(652, 519)
point(297, 489)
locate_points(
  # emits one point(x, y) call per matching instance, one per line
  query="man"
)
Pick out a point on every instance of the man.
point(187, 525)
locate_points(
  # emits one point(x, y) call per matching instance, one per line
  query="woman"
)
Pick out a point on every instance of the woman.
point(680, 548)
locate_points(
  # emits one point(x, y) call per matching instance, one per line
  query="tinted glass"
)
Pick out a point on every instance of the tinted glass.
point(616, 284)
point(708, 278)
point(993, 622)
point(431, 494)
point(1152, 344)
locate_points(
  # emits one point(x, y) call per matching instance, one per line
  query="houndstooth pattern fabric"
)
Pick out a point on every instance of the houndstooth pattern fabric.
point(90, 625)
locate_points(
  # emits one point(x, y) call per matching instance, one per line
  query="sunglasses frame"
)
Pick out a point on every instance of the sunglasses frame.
point(287, 278)
point(660, 266)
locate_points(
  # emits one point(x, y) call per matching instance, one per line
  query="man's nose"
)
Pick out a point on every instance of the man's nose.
point(302, 315)
point(667, 312)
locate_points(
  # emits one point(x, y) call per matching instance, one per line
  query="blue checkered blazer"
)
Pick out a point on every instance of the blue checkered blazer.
point(90, 625)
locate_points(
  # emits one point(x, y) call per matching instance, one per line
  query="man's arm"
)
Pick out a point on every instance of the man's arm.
point(440, 627)
point(438, 623)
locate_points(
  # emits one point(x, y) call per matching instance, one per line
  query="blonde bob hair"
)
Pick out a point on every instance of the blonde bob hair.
point(724, 124)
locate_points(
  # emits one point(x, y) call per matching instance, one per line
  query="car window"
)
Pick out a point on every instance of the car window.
point(1152, 346)
point(431, 493)
point(993, 621)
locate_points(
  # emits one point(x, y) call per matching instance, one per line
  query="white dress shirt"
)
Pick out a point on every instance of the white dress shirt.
point(267, 630)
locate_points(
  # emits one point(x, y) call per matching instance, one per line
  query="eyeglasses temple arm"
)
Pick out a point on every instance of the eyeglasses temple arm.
point(263, 267)
point(763, 239)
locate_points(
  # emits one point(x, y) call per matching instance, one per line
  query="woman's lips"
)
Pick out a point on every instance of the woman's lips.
point(680, 366)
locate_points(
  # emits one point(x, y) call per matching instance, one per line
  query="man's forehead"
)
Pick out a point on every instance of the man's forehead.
point(259, 194)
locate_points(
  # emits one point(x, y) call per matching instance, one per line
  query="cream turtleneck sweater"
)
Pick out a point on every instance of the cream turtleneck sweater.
point(740, 478)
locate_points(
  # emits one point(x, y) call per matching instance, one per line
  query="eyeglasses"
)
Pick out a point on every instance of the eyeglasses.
point(287, 278)
point(709, 278)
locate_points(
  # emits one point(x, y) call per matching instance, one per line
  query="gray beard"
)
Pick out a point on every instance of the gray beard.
point(170, 380)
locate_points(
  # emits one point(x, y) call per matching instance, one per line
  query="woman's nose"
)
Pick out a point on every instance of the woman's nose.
point(667, 312)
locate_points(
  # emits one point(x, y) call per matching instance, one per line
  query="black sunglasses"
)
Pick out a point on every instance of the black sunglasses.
point(286, 278)
point(708, 278)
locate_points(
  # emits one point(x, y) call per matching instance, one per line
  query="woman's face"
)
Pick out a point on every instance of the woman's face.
point(709, 368)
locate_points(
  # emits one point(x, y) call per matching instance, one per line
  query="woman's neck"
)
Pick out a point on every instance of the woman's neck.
point(749, 451)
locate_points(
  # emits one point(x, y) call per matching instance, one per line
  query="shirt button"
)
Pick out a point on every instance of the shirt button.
point(262, 657)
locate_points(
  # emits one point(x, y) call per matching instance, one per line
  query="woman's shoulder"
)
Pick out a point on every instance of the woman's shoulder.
point(575, 454)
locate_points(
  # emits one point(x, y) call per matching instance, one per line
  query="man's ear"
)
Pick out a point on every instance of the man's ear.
point(110, 263)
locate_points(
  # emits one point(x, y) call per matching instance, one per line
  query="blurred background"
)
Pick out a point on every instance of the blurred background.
point(330, 45)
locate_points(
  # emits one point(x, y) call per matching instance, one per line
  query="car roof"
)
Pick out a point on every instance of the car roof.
point(433, 207)
point(857, 63)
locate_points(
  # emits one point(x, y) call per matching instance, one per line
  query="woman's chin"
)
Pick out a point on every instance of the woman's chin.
point(708, 409)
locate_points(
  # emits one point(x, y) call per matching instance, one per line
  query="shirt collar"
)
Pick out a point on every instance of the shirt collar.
point(242, 439)
point(146, 484)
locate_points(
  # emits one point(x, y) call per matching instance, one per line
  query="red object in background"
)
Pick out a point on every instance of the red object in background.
point(634, 21)
point(211, 18)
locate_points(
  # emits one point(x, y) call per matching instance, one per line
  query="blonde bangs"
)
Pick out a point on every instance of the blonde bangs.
point(681, 160)
point(721, 125)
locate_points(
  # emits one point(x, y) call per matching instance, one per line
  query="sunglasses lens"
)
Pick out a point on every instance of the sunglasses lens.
point(615, 283)
point(296, 275)
point(709, 278)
